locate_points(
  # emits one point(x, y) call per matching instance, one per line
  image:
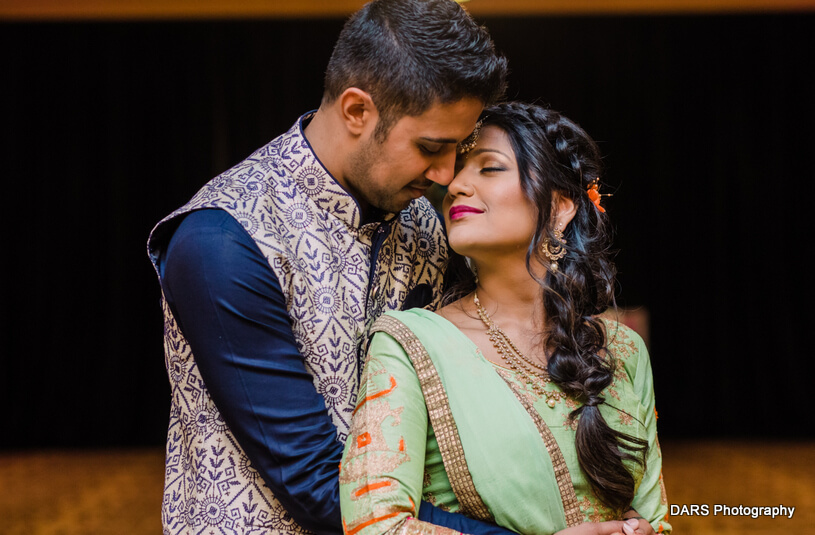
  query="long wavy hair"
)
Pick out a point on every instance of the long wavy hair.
point(555, 155)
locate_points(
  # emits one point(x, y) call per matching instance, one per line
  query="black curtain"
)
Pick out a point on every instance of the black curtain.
point(706, 124)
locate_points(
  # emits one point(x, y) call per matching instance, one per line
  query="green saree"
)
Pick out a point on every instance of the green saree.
point(435, 420)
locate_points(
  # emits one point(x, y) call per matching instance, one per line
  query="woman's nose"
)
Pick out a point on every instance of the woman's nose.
point(460, 185)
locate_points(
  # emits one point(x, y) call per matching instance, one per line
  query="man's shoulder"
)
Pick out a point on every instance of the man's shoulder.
point(421, 214)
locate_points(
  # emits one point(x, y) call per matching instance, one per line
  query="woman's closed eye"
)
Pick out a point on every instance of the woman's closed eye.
point(487, 169)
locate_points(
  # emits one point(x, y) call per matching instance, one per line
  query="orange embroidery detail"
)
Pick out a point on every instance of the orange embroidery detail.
point(661, 529)
point(372, 486)
point(371, 521)
point(412, 505)
point(377, 395)
point(656, 415)
point(363, 440)
point(402, 444)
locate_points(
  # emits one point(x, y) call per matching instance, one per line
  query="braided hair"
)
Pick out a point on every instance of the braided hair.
point(555, 155)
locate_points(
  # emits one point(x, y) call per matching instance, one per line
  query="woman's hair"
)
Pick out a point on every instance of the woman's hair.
point(410, 54)
point(555, 155)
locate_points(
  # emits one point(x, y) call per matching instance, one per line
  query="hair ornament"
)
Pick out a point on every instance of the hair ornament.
point(593, 190)
point(469, 142)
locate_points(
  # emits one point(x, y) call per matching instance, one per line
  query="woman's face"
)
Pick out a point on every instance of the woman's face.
point(485, 209)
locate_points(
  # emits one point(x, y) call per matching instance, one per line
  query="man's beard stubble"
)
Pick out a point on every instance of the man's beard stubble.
point(364, 188)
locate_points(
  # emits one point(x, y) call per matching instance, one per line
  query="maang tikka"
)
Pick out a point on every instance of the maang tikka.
point(554, 251)
point(468, 144)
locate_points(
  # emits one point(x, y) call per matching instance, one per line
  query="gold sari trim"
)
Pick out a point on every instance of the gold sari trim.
point(441, 418)
point(571, 507)
point(412, 526)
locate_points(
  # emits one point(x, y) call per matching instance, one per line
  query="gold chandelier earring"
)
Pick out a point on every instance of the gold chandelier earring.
point(554, 251)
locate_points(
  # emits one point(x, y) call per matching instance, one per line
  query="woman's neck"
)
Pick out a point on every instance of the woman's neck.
point(510, 294)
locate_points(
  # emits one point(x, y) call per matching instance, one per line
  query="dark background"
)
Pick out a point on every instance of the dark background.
point(706, 123)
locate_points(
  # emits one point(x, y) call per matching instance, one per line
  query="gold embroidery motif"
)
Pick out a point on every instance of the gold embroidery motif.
point(441, 418)
point(562, 476)
point(620, 343)
point(411, 526)
point(589, 511)
point(369, 451)
point(663, 493)
point(594, 512)
point(427, 496)
point(568, 421)
point(625, 418)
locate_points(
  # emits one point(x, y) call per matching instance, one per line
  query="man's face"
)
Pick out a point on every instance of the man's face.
point(418, 151)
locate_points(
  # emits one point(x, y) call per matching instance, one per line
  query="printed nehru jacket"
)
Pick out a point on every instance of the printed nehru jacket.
point(310, 231)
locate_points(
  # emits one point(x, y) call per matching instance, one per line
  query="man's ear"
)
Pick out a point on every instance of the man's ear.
point(358, 111)
point(564, 210)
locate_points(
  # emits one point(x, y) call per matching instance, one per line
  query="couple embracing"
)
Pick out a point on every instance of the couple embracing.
point(342, 358)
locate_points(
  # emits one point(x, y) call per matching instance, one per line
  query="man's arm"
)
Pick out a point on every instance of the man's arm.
point(231, 309)
point(232, 312)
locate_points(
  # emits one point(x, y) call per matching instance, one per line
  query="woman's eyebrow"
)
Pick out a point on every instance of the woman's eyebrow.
point(479, 151)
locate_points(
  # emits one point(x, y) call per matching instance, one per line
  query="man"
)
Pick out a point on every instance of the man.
point(272, 274)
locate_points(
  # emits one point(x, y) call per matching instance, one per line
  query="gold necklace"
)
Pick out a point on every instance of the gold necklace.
point(516, 360)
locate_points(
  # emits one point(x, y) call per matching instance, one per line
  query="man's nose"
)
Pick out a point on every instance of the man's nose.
point(442, 170)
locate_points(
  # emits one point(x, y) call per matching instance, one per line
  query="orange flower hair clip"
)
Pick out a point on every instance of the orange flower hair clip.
point(593, 190)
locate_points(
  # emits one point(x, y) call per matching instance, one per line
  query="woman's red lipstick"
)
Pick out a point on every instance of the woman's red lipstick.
point(457, 212)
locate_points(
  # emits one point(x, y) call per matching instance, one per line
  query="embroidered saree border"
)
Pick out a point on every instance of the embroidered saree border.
point(568, 496)
point(412, 526)
point(441, 418)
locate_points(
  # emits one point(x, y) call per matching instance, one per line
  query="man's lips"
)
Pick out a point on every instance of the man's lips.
point(457, 212)
point(417, 191)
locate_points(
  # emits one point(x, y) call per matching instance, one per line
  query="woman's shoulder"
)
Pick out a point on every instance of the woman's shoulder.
point(623, 341)
point(408, 317)
point(417, 321)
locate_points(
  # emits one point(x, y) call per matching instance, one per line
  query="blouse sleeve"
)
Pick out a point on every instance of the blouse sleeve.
point(383, 464)
point(650, 501)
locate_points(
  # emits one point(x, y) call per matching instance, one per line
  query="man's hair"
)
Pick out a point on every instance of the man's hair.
point(410, 54)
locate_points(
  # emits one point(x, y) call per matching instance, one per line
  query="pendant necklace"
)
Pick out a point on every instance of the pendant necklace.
point(534, 374)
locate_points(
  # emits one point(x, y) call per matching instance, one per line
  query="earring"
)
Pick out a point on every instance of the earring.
point(554, 252)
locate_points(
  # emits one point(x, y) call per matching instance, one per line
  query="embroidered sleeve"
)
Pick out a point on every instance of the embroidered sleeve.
point(383, 464)
point(651, 501)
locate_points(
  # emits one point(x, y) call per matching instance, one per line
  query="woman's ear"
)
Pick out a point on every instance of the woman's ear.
point(563, 209)
point(358, 111)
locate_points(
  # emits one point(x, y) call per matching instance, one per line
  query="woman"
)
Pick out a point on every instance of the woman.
point(518, 402)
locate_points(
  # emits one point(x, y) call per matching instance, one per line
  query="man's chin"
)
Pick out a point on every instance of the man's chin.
point(398, 202)
point(396, 206)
